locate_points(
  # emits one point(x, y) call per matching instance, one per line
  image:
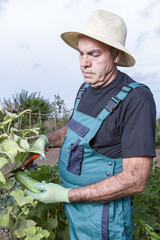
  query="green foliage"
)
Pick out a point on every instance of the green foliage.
point(158, 133)
point(29, 219)
point(147, 209)
point(51, 216)
point(42, 111)
point(58, 103)
point(43, 129)
point(61, 114)
point(40, 107)
point(22, 215)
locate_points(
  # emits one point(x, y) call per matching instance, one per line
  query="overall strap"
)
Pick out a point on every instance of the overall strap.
point(114, 102)
point(80, 94)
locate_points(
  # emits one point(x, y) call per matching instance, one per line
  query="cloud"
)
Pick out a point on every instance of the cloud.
point(36, 65)
point(148, 10)
point(141, 39)
point(2, 8)
point(25, 46)
point(71, 3)
point(145, 77)
point(157, 31)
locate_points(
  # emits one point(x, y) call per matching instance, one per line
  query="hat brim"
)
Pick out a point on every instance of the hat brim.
point(71, 38)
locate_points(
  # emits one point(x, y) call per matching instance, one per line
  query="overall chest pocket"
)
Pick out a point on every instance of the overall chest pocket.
point(75, 158)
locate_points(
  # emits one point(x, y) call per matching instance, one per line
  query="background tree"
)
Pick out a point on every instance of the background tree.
point(40, 107)
point(61, 113)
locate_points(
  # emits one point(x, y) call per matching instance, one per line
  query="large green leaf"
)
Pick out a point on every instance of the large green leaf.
point(36, 233)
point(4, 220)
point(36, 150)
point(24, 144)
point(13, 116)
point(21, 226)
point(2, 178)
point(26, 228)
point(3, 161)
point(21, 199)
point(45, 233)
point(29, 131)
point(4, 123)
point(51, 223)
point(13, 137)
point(4, 135)
point(10, 148)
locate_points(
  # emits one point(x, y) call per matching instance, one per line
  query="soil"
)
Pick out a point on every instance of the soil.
point(51, 157)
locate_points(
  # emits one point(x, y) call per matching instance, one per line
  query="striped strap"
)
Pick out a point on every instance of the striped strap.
point(114, 102)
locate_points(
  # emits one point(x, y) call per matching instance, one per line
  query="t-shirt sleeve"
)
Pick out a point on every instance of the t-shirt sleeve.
point(138, 135)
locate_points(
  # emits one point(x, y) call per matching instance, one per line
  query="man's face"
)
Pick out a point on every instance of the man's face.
point(96, 62)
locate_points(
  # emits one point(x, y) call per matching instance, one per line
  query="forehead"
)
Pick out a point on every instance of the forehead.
point(90, 43)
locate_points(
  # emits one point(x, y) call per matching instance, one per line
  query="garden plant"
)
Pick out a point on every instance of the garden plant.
point(25, 218)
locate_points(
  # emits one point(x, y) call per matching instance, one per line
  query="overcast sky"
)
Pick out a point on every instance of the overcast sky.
point(34, 58)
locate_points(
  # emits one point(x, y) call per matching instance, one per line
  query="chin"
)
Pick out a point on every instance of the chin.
point(88, 80)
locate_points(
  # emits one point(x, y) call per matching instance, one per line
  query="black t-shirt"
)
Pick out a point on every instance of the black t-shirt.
point(130, 130)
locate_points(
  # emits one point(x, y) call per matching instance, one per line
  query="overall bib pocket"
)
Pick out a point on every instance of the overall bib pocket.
point(75, 158)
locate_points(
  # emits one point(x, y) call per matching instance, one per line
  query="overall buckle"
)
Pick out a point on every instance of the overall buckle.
point(112, 104)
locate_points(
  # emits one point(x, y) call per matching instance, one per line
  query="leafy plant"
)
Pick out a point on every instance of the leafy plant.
point(147, 209)
point(22, 215)
point(157, 140)
point(41, 108)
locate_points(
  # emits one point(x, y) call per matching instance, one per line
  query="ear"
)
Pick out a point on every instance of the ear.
point(117, 55)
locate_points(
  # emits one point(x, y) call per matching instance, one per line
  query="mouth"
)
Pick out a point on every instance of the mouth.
point(87, 74)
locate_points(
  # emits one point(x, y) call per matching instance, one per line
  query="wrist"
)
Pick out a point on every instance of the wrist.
point(66, 195)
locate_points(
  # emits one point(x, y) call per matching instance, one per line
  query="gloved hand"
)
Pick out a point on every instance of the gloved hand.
point(51, 193)
point(41, 144)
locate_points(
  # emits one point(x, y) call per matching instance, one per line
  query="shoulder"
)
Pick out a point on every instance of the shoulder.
point(138, 94)
point(139, 104)
point(141, 95)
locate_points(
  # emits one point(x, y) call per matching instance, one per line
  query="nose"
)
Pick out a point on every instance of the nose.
point(85, 61)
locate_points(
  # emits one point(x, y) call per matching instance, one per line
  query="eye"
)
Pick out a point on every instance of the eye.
point(81, 54)
point(95, 55)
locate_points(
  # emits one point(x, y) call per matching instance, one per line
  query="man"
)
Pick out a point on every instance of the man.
point(108, 145)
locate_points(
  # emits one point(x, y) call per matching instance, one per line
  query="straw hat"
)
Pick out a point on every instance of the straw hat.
point(105, 27)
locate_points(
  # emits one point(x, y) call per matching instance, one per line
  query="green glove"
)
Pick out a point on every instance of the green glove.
point(51, 193)
point(41, 144)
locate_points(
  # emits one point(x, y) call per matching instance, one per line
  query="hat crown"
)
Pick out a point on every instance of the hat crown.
point(106, 25)
point(107, 28)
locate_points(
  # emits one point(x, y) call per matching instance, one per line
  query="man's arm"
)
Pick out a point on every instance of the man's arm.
point(132, 180)
point(56, 138)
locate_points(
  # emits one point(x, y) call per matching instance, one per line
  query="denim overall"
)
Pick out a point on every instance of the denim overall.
point(81, 165)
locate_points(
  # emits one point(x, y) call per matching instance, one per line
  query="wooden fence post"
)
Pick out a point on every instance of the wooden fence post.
point(30, 125)
point(55, 120)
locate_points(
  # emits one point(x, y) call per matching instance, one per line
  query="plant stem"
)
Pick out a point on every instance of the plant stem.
point(9, 125)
